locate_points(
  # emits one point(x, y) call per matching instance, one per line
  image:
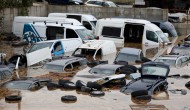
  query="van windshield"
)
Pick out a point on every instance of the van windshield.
point(85, 34)
point(162, 36)
point(39, 46)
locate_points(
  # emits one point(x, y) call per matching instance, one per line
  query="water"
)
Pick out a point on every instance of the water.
point(45, 99)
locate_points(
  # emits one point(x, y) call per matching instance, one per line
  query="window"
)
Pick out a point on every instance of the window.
point(91, 2)
point(114, 32)
point(54, 32)
point(87, 25)
point(105, 4)
point(57, 47)
point(151, 36)
point(184, 61)
point(71, 33)
point(179, 63)
point(98, 3)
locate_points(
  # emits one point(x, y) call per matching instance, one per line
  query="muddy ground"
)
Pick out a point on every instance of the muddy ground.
point(45, 99)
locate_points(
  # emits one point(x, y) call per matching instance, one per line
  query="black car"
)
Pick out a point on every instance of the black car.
point(153, 78)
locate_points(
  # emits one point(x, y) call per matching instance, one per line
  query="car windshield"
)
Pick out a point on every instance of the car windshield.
point(85, 51)
point(102, 71)
point(127, 57)
point(169, 62)
point(39, 46)
point(85, 34)
point(162, 36)
point(93, 23)
point(51, 67)
point(154, 70)
point(17, 85)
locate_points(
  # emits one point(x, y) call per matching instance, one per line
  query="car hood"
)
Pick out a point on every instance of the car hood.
point(140, 84)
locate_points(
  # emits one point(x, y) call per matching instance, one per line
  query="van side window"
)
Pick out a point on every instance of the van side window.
point(87, 25)
point(151, 36)
point(71, 34)
point(54, 33)
point(113, 32)
point(57, 47)
point(77, 17)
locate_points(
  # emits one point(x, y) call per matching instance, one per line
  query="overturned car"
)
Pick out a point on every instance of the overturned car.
point(153, 79)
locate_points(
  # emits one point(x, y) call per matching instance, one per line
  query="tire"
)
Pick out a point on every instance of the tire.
point(139, 93)
point(79, 84)
point(183, 92)
point(187, 85)
point(52, 86)
point(22, 62)
point(13, 98)
point(68, 98)
point(97, 93)
point(69, 86)
point(134, 68)
point(61, 82)
point(143, 99)
point(86, 89)
point(94, 85)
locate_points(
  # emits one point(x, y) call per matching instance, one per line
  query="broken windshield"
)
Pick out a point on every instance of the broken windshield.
point(39, 46)
point(154, 70)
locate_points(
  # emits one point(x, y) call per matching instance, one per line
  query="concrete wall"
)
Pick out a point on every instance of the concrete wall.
point(8, 15)
point(104, 12)
point(182, 28)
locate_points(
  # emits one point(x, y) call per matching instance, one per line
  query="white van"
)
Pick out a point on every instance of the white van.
point(87, 20)
point(19, 21)
point(40, 31)
point(121, 31)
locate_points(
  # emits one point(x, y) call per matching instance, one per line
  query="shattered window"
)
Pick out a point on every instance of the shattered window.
point(39, 46)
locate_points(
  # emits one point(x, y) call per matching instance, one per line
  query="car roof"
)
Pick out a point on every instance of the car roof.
point(132, 51)
point(4, 67)
point(108, 66)
point(65, 61)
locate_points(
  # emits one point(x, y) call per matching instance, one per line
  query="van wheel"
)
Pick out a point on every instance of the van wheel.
point(79, 84)
point(69, 98)
point(13, 98)
point(97, 93)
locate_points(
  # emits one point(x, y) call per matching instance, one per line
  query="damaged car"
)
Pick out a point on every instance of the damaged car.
point(66, 64)
point(153, 79)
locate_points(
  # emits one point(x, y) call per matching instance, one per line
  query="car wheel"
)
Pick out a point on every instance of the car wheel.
point(69, 98)
point(97, 93)
point(52, 86)
point(86, 89)
point(79, 84)
point(94, 85)
point(61, 82)
point(13, 98)
point(70, 85)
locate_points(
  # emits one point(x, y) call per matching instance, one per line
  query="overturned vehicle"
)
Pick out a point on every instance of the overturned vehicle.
point(153, 79)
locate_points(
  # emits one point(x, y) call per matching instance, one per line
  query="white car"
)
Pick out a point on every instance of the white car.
point(101, 3)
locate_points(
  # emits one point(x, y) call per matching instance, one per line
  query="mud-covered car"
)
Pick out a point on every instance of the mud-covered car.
point(67, 64)
point(106, 69)
point(177, 61)
point(26, 83)
point(181, 49)
point(153, 78)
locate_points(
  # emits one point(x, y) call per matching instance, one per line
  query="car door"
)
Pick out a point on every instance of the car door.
point(150, 37)
point(113, 33)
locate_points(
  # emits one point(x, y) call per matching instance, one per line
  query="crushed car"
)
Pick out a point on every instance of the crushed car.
point(177, 61)
point(153, 79)
point(26, 83)
point(95, 49)
point(66, 64)
point(130, 55)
